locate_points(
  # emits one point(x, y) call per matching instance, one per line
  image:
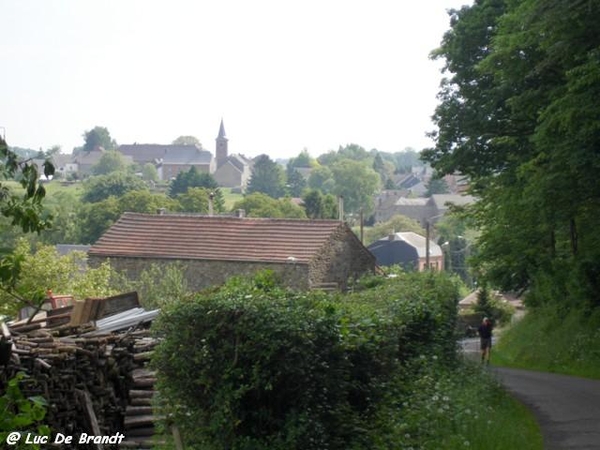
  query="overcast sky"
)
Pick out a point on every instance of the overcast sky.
point(283, 74)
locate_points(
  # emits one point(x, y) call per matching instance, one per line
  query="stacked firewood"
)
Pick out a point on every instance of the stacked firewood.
point(98, 384)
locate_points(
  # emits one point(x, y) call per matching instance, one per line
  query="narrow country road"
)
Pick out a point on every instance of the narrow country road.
point(567, 408)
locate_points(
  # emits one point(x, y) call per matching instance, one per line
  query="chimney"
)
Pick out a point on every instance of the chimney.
point(211, 197)
point(341, 208)
point(241, 213)
point(161, 211)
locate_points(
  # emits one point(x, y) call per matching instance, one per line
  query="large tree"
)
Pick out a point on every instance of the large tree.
point(267, 177)
point(98, 137)
point(191, 179)
point(519, 116)
point(115, 184)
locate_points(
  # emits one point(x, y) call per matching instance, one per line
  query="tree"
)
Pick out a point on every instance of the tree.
point(302, 160)
point(357, 183)
point(267, 178)
point(321, 178)
point(98, 137)
point(149, 172)
point(45, 269)
point(187, 140)
point(196, 199)
point(436, 186)
point(262, 205)
point(115, 184)
point(518, 117)
point(192, 178)
point(320, 206)
point(296, 183)
point(110, 161)
point(396, 224)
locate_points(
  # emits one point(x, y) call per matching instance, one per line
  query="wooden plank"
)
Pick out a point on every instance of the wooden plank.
point(86, 400)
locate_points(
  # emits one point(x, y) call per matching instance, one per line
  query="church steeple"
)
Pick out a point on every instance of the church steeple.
point(221, 152)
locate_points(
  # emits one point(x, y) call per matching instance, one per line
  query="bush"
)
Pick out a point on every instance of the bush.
point(254, 366)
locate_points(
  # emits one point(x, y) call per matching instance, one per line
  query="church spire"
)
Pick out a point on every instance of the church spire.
point(222, 134)
point(222, 151)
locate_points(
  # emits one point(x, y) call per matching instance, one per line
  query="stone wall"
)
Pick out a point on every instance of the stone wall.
point(201, 274)
point(342, 258)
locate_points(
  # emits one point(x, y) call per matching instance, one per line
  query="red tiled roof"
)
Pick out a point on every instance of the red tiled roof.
point(186, 236)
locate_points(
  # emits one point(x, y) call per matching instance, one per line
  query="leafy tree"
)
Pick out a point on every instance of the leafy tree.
point(320, 206)
point(296, 183)
point(24, 210)
point(518, 116)
point(45, 269)
point(98, 137)
point(302, 160)
point(192, 178)
point(321, 178)
point(115, 184)
point(436, 186)
point(187, 140)
point(197, 199)
point(396, 224)
point(96, 218)
point(357, 183)
point(149, 172)
point(267, 178)
point(110, 161)
point(262, 205)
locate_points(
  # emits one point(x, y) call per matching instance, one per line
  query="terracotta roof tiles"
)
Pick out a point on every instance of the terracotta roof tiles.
point(187, 236)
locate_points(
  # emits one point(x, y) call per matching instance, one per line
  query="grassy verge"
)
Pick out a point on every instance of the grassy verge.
point(463, 408)
point(553, 339)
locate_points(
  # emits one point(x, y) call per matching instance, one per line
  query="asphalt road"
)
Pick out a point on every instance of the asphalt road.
point(567, 408)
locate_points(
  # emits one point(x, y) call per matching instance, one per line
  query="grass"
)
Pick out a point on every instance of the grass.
point(553, 339)
point(230, 198)
point(462, 408)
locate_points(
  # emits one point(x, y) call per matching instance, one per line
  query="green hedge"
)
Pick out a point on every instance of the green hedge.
point(254, 366)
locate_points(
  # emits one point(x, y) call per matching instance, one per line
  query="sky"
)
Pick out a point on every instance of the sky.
point(283, 75)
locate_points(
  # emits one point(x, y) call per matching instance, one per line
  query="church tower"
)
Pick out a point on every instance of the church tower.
point(221, 150)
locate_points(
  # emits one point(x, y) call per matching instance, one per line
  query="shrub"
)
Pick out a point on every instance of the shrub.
point(254, 366)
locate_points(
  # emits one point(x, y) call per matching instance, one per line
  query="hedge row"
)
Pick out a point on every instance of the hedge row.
point(254, 366)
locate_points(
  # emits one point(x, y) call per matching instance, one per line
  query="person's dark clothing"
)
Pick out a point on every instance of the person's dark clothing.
point(485, 330)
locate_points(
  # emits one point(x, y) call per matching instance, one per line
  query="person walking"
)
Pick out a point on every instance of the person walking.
point(485, 337)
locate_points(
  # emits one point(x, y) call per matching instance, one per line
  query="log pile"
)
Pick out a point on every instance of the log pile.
point(99, 384)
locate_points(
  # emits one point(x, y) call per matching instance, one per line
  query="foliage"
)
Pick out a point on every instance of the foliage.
point(457, 407)
point(321, 178)
point(160, 285)
point(262, 205)
point(196, 199)
point(302, 160)
point(517, 116)
point(271, 368)
point(357, 183)
point(115, 184)
point(553, 338)
point(149, 172)
point(94, 219)
point(395, 224)
point(267, 178)
point(110, 161)
point(33, 273)
point(295, 182)
point(98, 137)
point(187, 140)
point(26, 211)
point(319, 206)
point(190, 179)
point(21, 414)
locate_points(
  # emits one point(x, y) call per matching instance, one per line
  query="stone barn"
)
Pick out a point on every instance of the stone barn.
point(306, 254)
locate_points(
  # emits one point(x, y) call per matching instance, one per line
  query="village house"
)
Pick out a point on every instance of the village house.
point(306, 254)
point(390, 203)
point(408, 250)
